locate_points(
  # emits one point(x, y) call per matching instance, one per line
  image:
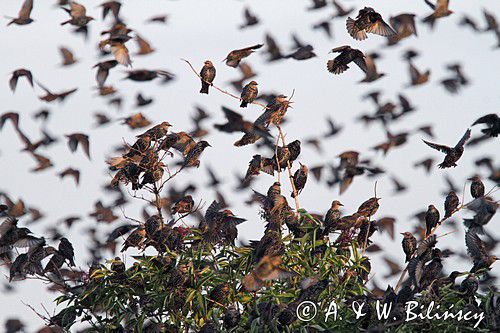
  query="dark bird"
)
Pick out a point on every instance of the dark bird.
point(346, 56)
point(341, 11)
point(67, 56)
point(51, 96)
point(192, 158)
point(431, 219)
point(476, 187)
point(492, 121)
point(332, 216)
point(300, 179)
point(317, 4)
point(234, 57)
point(220, 225)
point(250, 19)
point(158, 19)
point(103, 71)
point(404, 25)
point(491, 21)
point(371, 69)
point(426, 164)
point(484, 208)
point(249, 93)
point(477, 251)
point(23, 17)
point(440, 10)
point(273, 49)
point(184, 205)
point(398, 186)
point(17, 74)
point(75, 173)
point(268, 269)
point(368, 20)
point(78, 15)
point(333, 128)
point(453, 154)
point(416, 77)
point(142, 75)
point(143, 45)
point(409, 244)
point(207, 76)
point(67, 251)
point(450, 204)
point(326, 26)
point(302, 53)
point(76, 139)
point(111, 7)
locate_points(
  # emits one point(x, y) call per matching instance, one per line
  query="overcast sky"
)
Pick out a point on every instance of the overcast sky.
point(200, 30)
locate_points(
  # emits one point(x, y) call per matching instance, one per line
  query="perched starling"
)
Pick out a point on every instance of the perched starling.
point(231, 317)
point(431, 219)
point(234, 57)
point(346, 56)
point(67, 251)
point(139, 147)
point(151, 226)
point(207, 76)
point(450, 204)
point(23, 17)
point(192, 157)
point(117, 265)
point(492, 120)
point(368, 20)
point(453, 154)
point(477, 251)
point(476, 187)
point(409, 244)
point(184, 205)
point(369, 207)
point(133, 240)
point(249, 93)
point(300, 179)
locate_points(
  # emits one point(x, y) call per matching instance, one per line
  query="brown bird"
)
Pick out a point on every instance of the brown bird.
point(416, 77)
point(103, 71)
point(341, 11)
point(404, 25)
point(137, 120)
point(78, 15)
point(142, 75)
point(119, 50)
point(158, 19)
point(76, 139)
point(368, 20)
point(50, 96)
point(192, 158)
point(67, 55)
point(346, 56)
point(451, 204)
point(371, 69)
point(234, 57)
point(440, 10)
point(75, 173)
point(453, 154)
point(144, 46)
point(300, 179)
point(249, 93)
point(17, 74)
point(426, 164)
point(113, 7)
point(43, 162)
point(184, 205)
point(477, 251)
point(250, 19)
point(369, 207)
point(476, 187)
point(266, 270)
point(431, 219)
point(332, 216)
point(23, 17)
point(207, 76)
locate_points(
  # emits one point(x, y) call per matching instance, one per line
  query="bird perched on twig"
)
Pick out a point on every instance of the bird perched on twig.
point(451, 204)
point(409, 244)
point(476, 187)
point(368, 20)
point(207, 76)
point(234, 57)
point(453, 154)
point(249, 93)
point(431, 219)
point(192, 158)
point(346, 56)
point(300, 179)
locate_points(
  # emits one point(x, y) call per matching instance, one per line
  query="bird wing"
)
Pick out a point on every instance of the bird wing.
point(67, 55)
point(414, 73)
point(381, 28)
point(340, 48)
point(77, 10)
point(212, 212)
point(26, 9)
point(464, 139)
point(361, 62)
point(430, 4)
point(475, 247)
point(232, 116)
point(442, 148)
point(488, 119)
point(120, 52)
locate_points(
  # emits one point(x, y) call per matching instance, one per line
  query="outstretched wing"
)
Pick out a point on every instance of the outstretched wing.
point(475, 246)
point(381, 28)
point(488, 119)
point(464, 139)
point(442, 148)
point(361, 62)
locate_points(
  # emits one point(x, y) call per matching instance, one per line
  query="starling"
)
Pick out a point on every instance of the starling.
point(341, 11)
point(273, 49)
point(117, 265)
point(78, 15)
point(492, 120)
point(409, 245)
point(23, 17)
point(231, 317)
point(234, 57)
point(207, 76)
point(133, 240)
point(302, 53)
point(67, 55)
point(51, 96)
point(453, 154)
point(153, 175)
point(139, 147)
point(347, 55)
point(476, 187)
point(266, 270)
point(192, 157)
point(71, 172)
point(368, 20)
point(431, 219)
point(451, 204)
point(440, 10)
point(220, 224)
point(477, 251)
point(143, 75)
point(404, 25)
point(152, 226)
point(469, 285)
point(300, 179)
point(369, 207)
point(67, 251)
point(417, 77)
point(17, 74)
point(249, 93)
point(184, 205)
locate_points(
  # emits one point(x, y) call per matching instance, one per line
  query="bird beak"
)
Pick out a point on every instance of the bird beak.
point(209, 144)
point(341, 204)
point(401, 233)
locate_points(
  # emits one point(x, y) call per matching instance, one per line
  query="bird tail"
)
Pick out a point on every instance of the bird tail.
point(65, 22)
point(204, 88)
point(336, 68)
point(354, 31)
point(243, 104)
point(430, 20)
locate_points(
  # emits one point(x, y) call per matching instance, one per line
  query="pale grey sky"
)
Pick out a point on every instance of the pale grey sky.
point(200, 30)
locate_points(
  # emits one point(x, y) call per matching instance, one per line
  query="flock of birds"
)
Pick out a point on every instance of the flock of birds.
point(141, 163)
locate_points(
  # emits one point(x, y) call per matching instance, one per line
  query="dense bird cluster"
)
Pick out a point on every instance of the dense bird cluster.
point(191, 270)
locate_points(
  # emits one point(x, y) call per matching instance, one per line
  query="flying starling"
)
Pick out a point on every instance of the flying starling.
point(453, 154)
point(476, 187)
point(431, 219)
point(404, 25)
point(440, 10)
point(450, 204)
point(477, 251)
point(78, 15)
point(346, 56)
point(23, 17)
point(234, 57)
point(409, 244)
point(207, 76)
point(300, 179)
point(492, 120)
point(103, 71)
point(368, 20)
point(249, 94)
point(266, 270)
point(17, 74)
